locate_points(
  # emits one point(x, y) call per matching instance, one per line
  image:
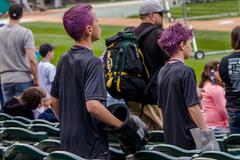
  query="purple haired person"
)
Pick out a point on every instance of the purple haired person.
point(177, 94)
point(78, 93)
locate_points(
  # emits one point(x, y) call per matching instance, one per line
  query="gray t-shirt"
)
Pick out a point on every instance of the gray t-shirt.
point(14, 67)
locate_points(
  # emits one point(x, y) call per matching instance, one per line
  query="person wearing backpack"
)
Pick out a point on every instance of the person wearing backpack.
point(151, 15)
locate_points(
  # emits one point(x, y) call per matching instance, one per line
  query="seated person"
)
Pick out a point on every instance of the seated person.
point(26, 103)
point(48, 115)
point(213, 98)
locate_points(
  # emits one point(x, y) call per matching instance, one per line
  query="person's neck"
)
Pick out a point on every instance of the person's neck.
point(84, 43)
point(178, 57)
point(14, 22)
point(46, 59)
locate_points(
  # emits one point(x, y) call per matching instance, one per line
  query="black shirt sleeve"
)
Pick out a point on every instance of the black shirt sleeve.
point(223, 70)
point(189, 88)
point(95, 82)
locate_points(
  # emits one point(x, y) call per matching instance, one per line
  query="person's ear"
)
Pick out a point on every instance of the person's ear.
point(89, 30)
point(182, 45)
point(151, 16)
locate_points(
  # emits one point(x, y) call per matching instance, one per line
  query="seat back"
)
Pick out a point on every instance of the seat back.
point(175, 151)
point(23, 152)
point(52, 131)
point(49, 145)
point(218, 155)
point(62, 155)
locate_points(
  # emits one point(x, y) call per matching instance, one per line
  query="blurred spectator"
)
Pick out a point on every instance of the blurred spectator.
point(230, 74)
point(213, 98)
point(177, 94)
point(25, 104)
point(25, 4)
point(18, 69)
point(151, 15)
point(46, 70)
point(48, 115)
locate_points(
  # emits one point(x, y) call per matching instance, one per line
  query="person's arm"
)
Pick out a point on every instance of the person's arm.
point(95, 93)
point(197, 117)
point(191, 99)
point(223, 70)
point(219, 99)
point(31, 56)
point(54, 106)
point(98, 111)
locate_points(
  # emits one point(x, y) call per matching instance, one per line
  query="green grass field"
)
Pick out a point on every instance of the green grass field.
point(54, 33)
point(211, 8)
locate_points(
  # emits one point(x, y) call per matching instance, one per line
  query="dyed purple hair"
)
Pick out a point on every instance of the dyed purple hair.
point(76, 19)
point(172, 37)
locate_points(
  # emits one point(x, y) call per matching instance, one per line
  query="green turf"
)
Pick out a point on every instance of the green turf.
point(211, 8)
point(54, 33)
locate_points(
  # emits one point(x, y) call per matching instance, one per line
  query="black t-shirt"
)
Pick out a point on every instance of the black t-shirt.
point(14, 108)
point(230, 73)
point(154, 56)
point(80, 78)
point(177, 92)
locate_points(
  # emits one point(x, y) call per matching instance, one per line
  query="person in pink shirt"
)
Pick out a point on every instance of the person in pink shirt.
point(213, 98)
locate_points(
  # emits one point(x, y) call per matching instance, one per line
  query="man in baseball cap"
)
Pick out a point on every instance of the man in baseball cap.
point(151, 15)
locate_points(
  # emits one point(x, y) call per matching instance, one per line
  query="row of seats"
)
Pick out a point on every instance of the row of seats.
point(44, 136)
point(4, 117)
point(29, 152)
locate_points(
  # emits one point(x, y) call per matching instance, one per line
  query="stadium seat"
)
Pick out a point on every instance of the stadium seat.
point(14, 123)
point(218, 156)
point(113, 142)
point(41, 121)
point(20, 151)
point(4, 117)
point(49, 145)
point(22, 119)
point(156, 137)
point(11, 135)
point(2, 149)
point(116, 154)
point(53, 132)
point(230, 144)
point(175, 151)
point(62, 155)
point(154, 155)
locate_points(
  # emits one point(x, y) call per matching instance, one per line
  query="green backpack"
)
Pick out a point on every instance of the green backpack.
point(126, 74)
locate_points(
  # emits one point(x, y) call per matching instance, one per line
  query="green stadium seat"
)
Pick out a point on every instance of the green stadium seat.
point(218, 155)
point(62, 155)
point(154, 155)
point(230, 144)
point(116, 154)
point(156, 137)
point(2, 149)
point(20, 151)
point(22, 119)
point(11, 135)
point(41, 121)
point(49, 145)
point(4, 116)
point(14, 123)
point(113, 142)
point(175, 151)
point(53, 132)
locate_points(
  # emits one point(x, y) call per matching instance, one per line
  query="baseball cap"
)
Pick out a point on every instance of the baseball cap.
point(151, 7)
point(15, 11)
point(45, 48)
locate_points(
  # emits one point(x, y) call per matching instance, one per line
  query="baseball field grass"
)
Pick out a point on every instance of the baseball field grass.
point(54, 34)
point(210, 8)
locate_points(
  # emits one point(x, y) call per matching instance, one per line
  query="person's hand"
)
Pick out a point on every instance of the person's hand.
point(36, 83)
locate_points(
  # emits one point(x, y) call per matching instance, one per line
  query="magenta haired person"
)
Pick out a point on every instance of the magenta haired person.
point(78, 93)
point(177, 94)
